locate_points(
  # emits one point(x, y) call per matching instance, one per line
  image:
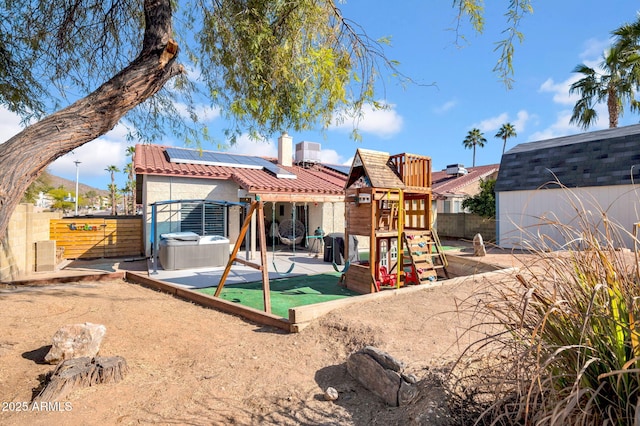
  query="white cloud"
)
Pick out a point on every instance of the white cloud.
point(445, 107)
point(491, 125)
point(520, 123)
point(9, 124)
point(561, 127)
point(594, 48)
point(383, 123)
point(261, 148)
point(94, 156)
point(330, 156)
point(560, 90)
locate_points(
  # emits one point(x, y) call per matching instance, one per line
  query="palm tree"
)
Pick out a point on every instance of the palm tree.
point(507, 131)
point(91, 197)
point(125, 202)
point(616, 84)
point(130, 185)
point(131, 152)
point(112, 187)
point(474, 137)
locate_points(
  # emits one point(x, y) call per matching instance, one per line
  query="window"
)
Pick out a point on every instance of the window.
point(203, 219)
point(453, 205)
point(383, 254)
point(388, 256)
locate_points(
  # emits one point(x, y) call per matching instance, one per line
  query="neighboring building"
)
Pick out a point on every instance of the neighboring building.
point(44, 201)
point(311, 192)
point(455, 183)
point(543, 186)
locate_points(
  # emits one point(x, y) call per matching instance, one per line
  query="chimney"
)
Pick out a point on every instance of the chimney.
point(285, 150)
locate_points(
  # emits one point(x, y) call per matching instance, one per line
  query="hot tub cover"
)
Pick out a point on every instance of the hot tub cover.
point(180, 236)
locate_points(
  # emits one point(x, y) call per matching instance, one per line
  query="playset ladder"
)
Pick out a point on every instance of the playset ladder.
point(424, 257)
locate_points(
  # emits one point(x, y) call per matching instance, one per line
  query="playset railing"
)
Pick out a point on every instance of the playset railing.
point(414, 170)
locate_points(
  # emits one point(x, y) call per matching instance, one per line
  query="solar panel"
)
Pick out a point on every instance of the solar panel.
point(210, 158)
point(339, 168)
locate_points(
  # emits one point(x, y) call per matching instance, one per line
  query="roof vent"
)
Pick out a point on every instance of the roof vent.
point(456, 169)
point(307, 153)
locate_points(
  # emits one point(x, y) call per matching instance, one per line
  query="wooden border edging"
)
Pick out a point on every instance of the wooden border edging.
point(301, 316)
point(106, 276)
point(211, 302)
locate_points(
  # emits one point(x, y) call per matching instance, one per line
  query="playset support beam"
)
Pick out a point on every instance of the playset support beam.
point(256, 207)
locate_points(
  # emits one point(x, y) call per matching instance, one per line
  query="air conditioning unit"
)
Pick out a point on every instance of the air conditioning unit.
point(456, 169)
point(307, 153)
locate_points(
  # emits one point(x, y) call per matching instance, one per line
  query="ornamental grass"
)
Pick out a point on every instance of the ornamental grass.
point(561, 336)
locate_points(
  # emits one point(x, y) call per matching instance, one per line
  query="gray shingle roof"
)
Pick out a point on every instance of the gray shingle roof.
point(600, 158)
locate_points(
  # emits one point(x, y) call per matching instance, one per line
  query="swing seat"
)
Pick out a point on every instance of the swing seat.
point(287, 272)
point(346, 266)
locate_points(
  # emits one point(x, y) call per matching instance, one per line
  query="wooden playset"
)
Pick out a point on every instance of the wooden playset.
point(388, 201)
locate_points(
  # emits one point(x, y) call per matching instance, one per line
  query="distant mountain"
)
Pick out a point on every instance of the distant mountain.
point(70, 186)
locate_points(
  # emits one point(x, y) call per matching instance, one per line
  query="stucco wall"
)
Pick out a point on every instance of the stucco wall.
point(333, 217)
point(26, 227)
point(164, 188)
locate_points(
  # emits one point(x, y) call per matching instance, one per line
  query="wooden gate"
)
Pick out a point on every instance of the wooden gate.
point(96, 237)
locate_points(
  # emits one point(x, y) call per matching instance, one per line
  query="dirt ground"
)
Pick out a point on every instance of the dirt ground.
point(192, 365)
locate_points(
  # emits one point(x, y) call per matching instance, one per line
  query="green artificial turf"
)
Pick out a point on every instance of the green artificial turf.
point(286, 292)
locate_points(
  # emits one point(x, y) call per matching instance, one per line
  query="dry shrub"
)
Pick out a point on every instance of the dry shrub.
point(562, 342)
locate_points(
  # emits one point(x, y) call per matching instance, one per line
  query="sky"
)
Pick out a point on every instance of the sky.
point(455, 87)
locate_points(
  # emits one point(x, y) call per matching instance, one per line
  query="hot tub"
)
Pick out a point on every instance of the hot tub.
point(186, 250)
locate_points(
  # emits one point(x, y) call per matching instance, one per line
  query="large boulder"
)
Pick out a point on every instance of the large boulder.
point(383, 375)
point(75, 341)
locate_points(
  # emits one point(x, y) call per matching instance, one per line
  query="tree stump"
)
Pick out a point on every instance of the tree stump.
point(81, 372)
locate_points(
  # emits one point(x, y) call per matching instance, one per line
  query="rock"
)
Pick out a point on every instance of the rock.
point(407, 393)
point(383, 358)
point(373, 376)
point(75, 341)
point(331, 394)
point(478, 246)
point(383, 375)
point(409, 378)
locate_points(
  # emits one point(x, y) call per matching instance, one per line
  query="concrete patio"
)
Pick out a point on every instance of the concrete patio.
point(304, 263)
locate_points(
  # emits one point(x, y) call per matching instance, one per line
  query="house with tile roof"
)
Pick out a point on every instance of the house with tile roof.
point(455, 183)
point(303, 190)
point(545, 185)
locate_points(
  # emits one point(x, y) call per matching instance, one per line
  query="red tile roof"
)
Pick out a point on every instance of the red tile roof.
point(443, 184)
point(151, 160)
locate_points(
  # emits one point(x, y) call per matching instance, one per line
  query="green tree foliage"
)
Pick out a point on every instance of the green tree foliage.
point(112, 187)
point(61, 200)
point(78, 68)
point(483, 203)
point(507, 131)
point(474, 138)
point(130, 169)
point(616, 83)
point(91, 198)
point(516, 11)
